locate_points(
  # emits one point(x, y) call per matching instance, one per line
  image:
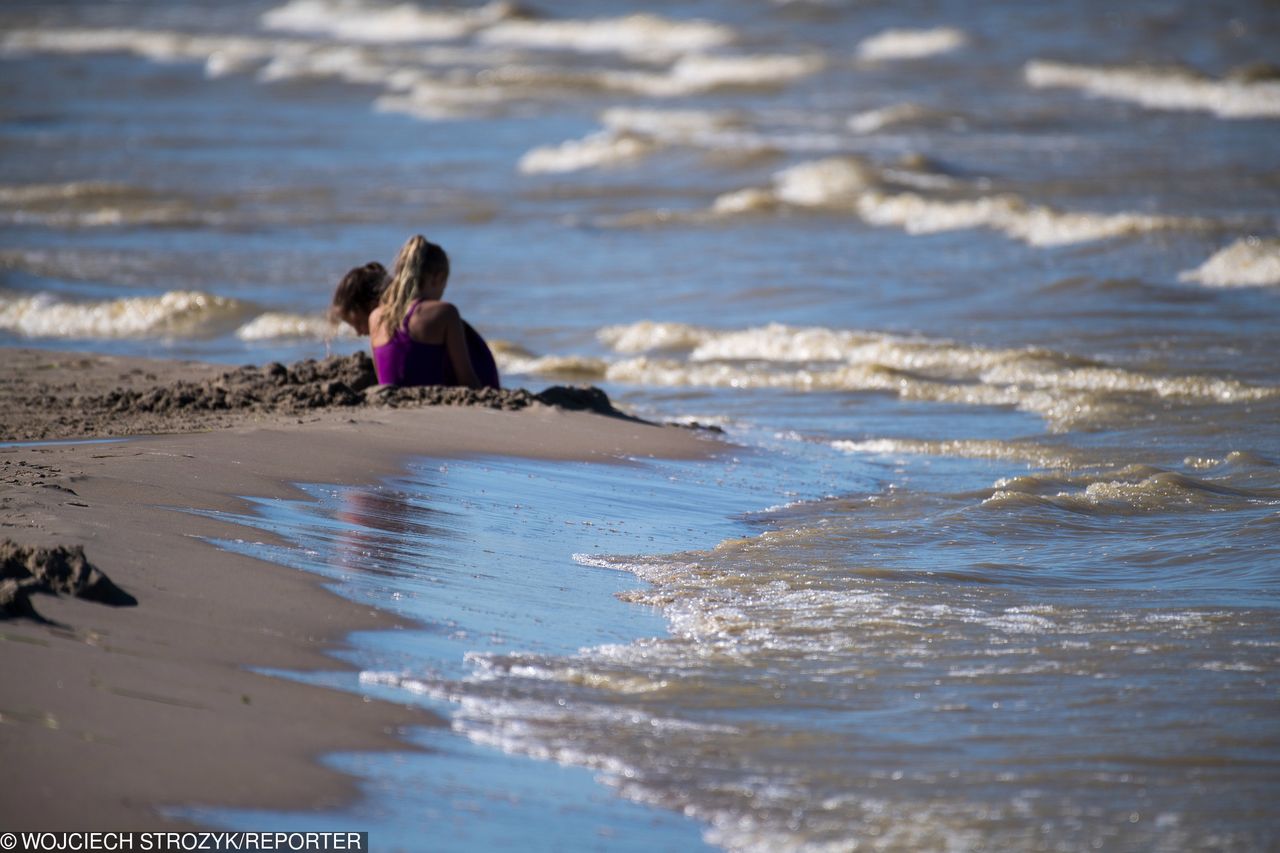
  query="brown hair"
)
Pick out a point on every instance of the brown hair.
point(359, 291)
point(420, 263)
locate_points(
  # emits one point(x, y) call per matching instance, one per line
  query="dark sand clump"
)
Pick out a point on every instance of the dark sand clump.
point(61, 570)
point(45, 411)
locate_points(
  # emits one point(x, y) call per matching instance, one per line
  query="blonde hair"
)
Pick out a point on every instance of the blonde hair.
point(419, 264)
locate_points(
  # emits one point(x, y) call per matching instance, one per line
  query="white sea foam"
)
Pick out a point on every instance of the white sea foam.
point(647, 336)
point(1250, 262)
point(1065, 390)
point(1134, 489)
point(1041, 457)
point(277, 326)
point(632, 134)
point(875, 120)
point(220, 54)
point(911, 44)
point(91, 204)
point(175, 312)
point(354, 20)
point(696, 73)
point(272, 58)
point(849, 184)
point(1162, 88)
point(576, 367)
point(744, 202)
point(638, 35)
point(832, 182)
point(437, 98)
point(669, 125)
point(23, 194)
point(1036, 225)
point(604, 148)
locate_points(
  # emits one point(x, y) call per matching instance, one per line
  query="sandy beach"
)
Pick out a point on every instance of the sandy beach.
point(971, 310)
point(111, 714)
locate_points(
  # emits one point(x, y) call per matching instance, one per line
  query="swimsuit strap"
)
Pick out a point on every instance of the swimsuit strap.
point(413, 306)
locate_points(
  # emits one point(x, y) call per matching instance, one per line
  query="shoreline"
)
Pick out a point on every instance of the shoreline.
point(115, 712)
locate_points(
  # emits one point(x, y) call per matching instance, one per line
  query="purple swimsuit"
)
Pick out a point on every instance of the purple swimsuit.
point(404, 361)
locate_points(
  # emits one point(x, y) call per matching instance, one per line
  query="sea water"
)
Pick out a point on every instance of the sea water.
point(983, 295)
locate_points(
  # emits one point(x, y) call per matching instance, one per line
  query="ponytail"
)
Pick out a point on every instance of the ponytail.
point(419, 264)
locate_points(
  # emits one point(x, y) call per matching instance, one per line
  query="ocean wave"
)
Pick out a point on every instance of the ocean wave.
point(1162, 88)
point(435, 99)
point(851, 185)
point(1020, 451)
point(1067, 391)
point(381, 46)
point(872, 121)
point(173, 313)
point(911, 44)
point(220, 54)
point(491, 90)
point(1132, 490)
point(283, 326)
point(353, 20)
point(1249, 262)
point(643, 35)
point(554, 366)
point(1035, 225)
point(631, 135)
point(604, 148)
point(271, 58)
point(99, 204)
point(669, 125)
point(696, 73)
point(648, 336)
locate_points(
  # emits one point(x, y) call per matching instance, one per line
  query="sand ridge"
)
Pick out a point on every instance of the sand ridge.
point(50, 396)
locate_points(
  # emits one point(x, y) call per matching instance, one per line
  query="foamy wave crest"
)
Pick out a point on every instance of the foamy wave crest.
point(173, 313)
point(911, 44)
point(697, 73)
point(1041, 457)
point(647, 336)
point(605, 148)
point(515, 359)
point(669, 125)
point(875, 120)
point(850, 185)
point(96, 204)
point(353, 20)
point(835, 181)
point(1251, 262)
point(278, 326)
point(1065, 390)
point(638, 35)
point(220, 54)
point(572, 367)
point(631, 135)
point(1132, 490)
point(1162, 88)
point(1035, 225)
point(433, 99)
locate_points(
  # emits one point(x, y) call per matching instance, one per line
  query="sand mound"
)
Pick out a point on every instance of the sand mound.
point(51, 412)
point(25, 570)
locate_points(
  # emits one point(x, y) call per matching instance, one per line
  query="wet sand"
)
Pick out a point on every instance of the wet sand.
point(109, 713)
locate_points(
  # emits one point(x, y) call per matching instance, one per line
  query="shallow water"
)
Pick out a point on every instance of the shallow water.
point(987, 296)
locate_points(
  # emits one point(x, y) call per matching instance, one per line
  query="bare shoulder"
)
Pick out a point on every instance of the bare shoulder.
point(377, 336)
point(430, 320)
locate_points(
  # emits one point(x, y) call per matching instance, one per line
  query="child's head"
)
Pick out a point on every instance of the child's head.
point(358, 294)
point(421, 271)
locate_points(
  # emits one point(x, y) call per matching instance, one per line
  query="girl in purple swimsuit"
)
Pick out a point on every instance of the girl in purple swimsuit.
point(417, 338)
